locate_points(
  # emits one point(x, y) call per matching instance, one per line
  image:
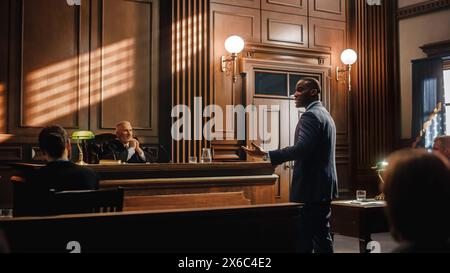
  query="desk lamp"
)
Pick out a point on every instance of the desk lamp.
point(79, 136)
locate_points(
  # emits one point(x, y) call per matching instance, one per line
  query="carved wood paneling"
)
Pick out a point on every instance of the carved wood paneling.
point(284, 29)
point(124, 66)
point(190, 68)
point(256, 4)
point(375, 92)
point(298, 7)
point(328, 9)
point(422, 8)
point(331, 35)
point(126, 63)
point(4, 30)
point(10, 153)
point(50, 64)
point(45, 71)
point(227, 21)
point(69, 65)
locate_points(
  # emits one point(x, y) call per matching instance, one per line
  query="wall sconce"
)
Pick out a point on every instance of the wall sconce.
point(348, 57)
point(234, 45)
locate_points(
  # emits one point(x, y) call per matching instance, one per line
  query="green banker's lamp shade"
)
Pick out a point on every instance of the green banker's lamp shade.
point(83, 135)
point(80, 136)
point(380, 167)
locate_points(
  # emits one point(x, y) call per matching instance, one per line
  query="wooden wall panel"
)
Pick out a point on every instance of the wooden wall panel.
point(124, 72)
point(70, 64)
point(46, 81)
point(126, 63)
point(298, 7)
point(227, 21)
point(50, 61)
point(328, 9)
point(48, 65)
point(190, 68)
point(331, 35)
point(376, 95)
point(256, 4)
point(284, 29)
point(4, 30)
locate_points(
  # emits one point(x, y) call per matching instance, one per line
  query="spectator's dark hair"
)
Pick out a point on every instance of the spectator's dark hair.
point(52, 140)
point(307, 84)
point(417, 191)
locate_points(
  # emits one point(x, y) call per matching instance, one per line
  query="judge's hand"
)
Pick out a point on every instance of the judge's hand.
point(134, 144)
point(254, 150)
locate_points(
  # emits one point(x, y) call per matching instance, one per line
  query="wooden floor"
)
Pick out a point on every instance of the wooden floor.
point(343, 244)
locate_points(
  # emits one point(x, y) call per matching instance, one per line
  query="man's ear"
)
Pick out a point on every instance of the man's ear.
point(314, 93)
point(68, 146)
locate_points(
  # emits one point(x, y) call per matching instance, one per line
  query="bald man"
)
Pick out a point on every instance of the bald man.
point(125, 147)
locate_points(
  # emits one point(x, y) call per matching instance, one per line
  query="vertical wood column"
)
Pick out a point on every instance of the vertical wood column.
point(374, 97)
point(4, 31)
point(190, 67)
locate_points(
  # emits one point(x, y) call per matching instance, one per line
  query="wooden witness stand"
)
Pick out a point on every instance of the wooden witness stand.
point(181, 186)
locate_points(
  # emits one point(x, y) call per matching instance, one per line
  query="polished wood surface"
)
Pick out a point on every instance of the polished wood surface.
point(359, 221)
point(328, 9)
point(298, 7)
point(190, 70)
point(177, 201)
point(255, 180)
point(91, 60)
point(250, 229)
point(284, 29)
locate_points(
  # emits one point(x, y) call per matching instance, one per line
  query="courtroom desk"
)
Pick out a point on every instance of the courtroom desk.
point(255, 180)
point(244, 229)
point(359, 221)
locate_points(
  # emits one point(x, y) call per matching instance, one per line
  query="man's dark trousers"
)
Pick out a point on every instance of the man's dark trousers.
point(314, 228)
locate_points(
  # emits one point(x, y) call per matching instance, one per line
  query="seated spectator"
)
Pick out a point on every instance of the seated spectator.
point(59, 174)
point(417, 190)
point(125, 147)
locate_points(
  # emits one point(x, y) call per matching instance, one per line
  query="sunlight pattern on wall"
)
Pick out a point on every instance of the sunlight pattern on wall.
point(63, 88)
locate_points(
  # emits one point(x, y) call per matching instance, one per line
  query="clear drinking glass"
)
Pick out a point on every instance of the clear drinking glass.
point(206, 156)
point(6, 213)
point(192, 159)
point(361, 195)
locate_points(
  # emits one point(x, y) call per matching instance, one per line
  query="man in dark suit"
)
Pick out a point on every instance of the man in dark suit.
point(125, 147)
point(59, 174)
point(314, 181)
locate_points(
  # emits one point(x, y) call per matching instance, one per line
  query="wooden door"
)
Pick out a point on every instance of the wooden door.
point(273, 116)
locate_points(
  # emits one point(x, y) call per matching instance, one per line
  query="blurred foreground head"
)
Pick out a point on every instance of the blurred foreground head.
point(417, 189)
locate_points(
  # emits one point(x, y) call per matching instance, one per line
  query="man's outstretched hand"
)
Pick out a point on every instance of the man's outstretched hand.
point(254, 150)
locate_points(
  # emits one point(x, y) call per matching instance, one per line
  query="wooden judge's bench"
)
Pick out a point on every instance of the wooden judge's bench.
point(175, 186)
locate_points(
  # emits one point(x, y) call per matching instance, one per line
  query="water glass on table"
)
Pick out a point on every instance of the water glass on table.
point(206, 156)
